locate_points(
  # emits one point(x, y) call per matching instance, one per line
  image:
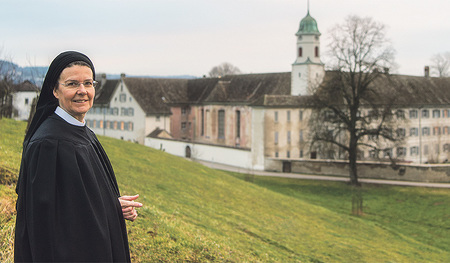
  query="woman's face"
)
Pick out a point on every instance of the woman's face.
point(75, 100)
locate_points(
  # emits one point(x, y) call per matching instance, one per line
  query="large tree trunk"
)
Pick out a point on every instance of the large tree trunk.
point(352, 157)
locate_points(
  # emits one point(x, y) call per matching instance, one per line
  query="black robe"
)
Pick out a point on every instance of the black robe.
point(67, 206)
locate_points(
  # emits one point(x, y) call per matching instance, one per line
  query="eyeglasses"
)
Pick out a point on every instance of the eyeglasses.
point(72, 84)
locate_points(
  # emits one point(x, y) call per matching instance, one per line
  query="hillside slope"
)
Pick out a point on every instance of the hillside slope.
point(195, 214)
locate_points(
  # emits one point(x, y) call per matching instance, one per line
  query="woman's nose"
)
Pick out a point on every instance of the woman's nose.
point(81, 89)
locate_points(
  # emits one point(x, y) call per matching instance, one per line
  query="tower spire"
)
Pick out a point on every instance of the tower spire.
point(308, 6)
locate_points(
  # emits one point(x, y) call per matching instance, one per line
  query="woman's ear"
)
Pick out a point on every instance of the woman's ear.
point(55, 93)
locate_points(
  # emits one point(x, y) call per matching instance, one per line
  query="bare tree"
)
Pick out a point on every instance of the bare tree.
point(441, 64)
point(352, 107)
point(224, 69)
point(7, 77)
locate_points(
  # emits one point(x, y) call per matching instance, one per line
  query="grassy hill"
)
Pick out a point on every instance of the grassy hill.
point(196, 214)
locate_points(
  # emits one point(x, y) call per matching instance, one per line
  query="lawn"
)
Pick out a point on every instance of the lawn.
point(196, 214)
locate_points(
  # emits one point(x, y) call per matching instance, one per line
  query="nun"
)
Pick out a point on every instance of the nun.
point(69, 207)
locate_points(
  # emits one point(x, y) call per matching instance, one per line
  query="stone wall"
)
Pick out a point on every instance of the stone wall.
point(374, 170)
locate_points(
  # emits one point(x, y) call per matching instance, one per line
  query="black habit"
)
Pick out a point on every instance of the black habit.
point(68, 208)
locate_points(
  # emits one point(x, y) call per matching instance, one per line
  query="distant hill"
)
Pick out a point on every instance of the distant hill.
point(33, 74)
point(36, 74)
point(117, 76)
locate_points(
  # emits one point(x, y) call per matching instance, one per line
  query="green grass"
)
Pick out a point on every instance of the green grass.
point(196, 214)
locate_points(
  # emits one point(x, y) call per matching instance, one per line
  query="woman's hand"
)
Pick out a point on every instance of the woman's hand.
point(129, 206)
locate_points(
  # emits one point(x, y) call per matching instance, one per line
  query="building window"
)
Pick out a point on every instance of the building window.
point(436, 113)
point(316, 52)
point(238, 124)
point(437, 131)
point(185, 110)
point(446, 113)
point(373, 153)
point(123, 97)
point(276, 154)
point(207, 118)
point(401, 132)
point(111, 125)
point(122, 126)
point(414, 151)
point(401, 152)
point(413, 114)
point(123, 111)
point(446, 147)
point(276, 116)
point(425, 113)
point(301, 136)
point(288, 154)
point(130, 126)
point(130, 112)
point(387, 153)
point(445, 130)
point(202, 123)
point(425, 149)
point(158, 118)
point(114, 111)
point(125, 126)
point(301, 154)
point(300, 52)
point(26, 101)
point(425, 131)
point(276, 138)
point(300, 115)
point(400, 114)
point(288, 115)
point(183, 125)
point(413, 132)
point(221, 127)
point(289, 137)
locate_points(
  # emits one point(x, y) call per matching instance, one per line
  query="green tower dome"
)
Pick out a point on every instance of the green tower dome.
point(308, 26)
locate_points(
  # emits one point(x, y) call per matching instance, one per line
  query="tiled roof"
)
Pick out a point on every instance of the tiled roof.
point(104, 92)
point(416, 91)
point(25, 86)
point(245, 89)
point(156, 95)
point(153, 94)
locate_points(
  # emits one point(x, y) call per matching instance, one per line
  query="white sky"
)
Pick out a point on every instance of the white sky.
point(176, 37)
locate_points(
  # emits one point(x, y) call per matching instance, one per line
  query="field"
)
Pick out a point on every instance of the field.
point(196, 214)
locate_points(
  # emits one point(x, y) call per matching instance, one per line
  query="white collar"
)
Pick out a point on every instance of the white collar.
point(67, 117)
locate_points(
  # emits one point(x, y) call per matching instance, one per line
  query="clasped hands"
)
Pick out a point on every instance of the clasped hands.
point(129, 206)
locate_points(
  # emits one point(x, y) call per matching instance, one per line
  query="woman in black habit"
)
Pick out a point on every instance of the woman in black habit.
point(69, 206)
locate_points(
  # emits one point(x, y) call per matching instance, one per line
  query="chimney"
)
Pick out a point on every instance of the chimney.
point(427, 71)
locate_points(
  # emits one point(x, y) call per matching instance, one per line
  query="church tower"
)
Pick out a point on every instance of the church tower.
point(307, 70)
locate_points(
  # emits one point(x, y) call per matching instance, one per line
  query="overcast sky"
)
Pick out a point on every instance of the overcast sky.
point(189, 37)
